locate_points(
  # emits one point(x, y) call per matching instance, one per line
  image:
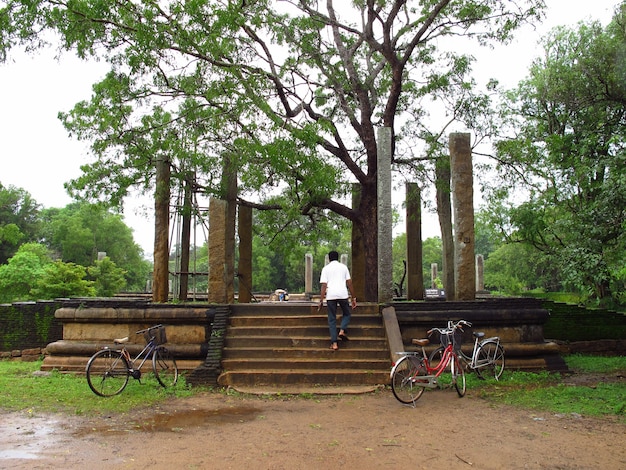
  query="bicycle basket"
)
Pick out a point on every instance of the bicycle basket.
point(157, 333)
point(456, 338)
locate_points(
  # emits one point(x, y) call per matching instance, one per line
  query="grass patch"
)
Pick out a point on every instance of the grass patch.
point(593, 364)
point(553, 393)
point(69, 393)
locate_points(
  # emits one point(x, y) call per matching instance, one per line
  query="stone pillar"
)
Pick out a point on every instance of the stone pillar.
point(480, 273)
point(221, 278)
point(385, 222)
point(463, 202)
point(308, 274)
point(357, 270)
point(344, 259)
point(433, 275)
point(160, 273)
point(414, 272)
point(244, 270)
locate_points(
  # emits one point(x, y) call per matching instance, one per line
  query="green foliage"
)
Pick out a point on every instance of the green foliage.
point(281, 240)
point(60, 280)
point(19, 220)
point(22, 272)
point(80, 231)
point(296, 94)
point(432, 253)
point(108, 278)
point(399, 267)
point(567, 160)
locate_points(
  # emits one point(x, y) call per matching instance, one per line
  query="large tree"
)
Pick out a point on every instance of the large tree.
point(294, 90)
point(19, 220)
point(564, 168)
point(79, 231)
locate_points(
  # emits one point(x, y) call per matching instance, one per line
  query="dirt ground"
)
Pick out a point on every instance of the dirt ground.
point(364, 431)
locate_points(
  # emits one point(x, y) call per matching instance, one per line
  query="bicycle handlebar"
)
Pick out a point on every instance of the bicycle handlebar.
point(450, 328)
point(148, 329)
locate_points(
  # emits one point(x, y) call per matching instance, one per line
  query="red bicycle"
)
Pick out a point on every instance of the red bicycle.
point(413, 373)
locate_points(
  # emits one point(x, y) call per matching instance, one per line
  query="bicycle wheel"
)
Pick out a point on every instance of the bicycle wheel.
point(107, 372)
point(490, 360)
point(458, 375)
point(435, 357)
point(164, 367)
point(405, 381)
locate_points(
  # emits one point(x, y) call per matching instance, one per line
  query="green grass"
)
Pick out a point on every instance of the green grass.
point(553, 393)
point(594, 364)
point(69, 393)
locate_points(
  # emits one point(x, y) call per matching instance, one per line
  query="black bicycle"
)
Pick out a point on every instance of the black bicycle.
point(109, 369)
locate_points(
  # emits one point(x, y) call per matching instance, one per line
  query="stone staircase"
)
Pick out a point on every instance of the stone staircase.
point(288, 345)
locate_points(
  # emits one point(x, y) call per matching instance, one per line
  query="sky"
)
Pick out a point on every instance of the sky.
point(37, 155)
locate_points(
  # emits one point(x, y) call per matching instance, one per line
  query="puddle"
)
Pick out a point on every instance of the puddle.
point(192, 418)
point(177, 421)
point(25, 438)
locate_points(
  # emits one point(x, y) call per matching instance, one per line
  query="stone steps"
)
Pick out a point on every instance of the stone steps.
point(328, 377)
point(285, 347)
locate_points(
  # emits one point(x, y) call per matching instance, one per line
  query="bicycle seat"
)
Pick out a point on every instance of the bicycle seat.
point(121, 340)
point(479, 334)
point(420, 342)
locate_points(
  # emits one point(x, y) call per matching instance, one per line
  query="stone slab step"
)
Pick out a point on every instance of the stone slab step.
point(321, 352)
point(306, 363)
point(302, 330)
point(303, 376)
point(300, 320)
point(299, 342)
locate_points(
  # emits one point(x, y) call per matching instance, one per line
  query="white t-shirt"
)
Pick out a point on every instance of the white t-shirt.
point(335, 275)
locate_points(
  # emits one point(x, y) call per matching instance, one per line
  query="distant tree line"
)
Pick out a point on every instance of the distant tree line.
point(52, 253)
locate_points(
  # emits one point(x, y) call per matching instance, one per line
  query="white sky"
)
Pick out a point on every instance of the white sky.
point(36, 153)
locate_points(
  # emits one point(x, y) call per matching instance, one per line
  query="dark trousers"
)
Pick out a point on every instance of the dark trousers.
point(346, 313)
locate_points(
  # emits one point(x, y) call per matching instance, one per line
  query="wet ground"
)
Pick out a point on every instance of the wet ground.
point(365, 431)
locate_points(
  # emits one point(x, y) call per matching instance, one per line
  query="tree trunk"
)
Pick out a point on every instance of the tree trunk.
point(160, 276)
point(367, 221)
point(444, 210)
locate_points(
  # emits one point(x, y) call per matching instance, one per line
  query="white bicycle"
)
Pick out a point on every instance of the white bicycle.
point(487, 358)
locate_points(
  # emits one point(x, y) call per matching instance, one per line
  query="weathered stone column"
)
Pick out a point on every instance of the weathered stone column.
point(480, 273)
point(433, 275)
point(462, 187)
point(385, 223)
point(221, 278)
point(244, 270)
point(357, 271)
point(160, 274)
point(414, 272)
point(308, 274)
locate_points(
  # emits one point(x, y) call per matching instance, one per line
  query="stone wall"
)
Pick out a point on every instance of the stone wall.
point(518, 322)
point(28, 326)
point(90, 325)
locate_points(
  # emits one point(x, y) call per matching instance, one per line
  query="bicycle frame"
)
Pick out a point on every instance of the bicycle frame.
point(433, 372)
point(473, 361)
point(148, 350)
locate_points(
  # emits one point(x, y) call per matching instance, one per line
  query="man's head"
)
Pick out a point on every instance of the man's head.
point(333, 256)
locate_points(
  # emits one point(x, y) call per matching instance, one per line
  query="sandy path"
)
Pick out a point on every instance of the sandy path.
point(369, 431)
